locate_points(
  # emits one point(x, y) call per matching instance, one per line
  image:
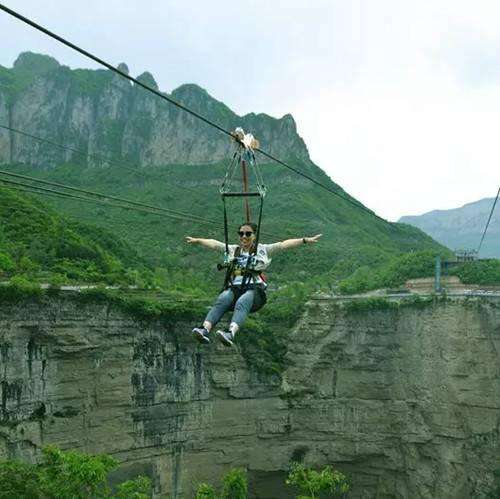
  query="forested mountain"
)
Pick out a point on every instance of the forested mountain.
point(35, 240)
point(136, 146)
point(462, 228)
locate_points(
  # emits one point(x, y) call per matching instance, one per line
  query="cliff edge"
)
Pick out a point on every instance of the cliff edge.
point(400, 393)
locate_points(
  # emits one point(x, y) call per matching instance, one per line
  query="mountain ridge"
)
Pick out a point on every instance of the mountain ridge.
point(462, 227)
point(98, 110)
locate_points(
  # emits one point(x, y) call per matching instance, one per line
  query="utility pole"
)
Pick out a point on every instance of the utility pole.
point(437, 275)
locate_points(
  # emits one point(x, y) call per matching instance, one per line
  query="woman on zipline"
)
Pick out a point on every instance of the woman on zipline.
point(245, 291)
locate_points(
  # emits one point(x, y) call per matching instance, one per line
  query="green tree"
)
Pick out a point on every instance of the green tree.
point(235, 485)
point(205, 491)
point(64, 474)
point(312, 483)
point(18, 479)
point(6, 262)
point(138, 488)
point(73, 474)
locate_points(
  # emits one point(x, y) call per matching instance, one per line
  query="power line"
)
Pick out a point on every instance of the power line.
point(110, 67)
point(20, 186)
point(179, 105)
point(105, 200)
point(488, 222)
point(94, 155)
point(108, 197)
point(329, 189)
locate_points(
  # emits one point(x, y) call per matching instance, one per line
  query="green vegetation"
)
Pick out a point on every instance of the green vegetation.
point(205, 491)
point(63, 474)
point(166, 307)
point(397, 270)
point(314, 484)
point(351, 238)
point(38, 243)
point(172, 307)
point(234, 486)
point(19, 289)
point(26, 69)
point(485, 272)
point(264, 338)
point(391, 273)
point(60, 241)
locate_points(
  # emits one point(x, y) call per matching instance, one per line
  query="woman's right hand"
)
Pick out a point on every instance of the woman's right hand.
point(191, 240)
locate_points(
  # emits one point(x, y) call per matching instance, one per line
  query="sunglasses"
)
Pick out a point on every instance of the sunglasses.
point(246, 234)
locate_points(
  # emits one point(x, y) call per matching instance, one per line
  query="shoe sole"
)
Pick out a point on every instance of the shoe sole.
point(223, 339)
point(200, 337)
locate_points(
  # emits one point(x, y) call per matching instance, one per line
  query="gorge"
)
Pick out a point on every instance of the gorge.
point(400, 393)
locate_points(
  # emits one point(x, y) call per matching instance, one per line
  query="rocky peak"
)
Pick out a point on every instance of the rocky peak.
point(197, 97)
point(148, 79)
point(191, 90)
point(123, 68)
point(35, 63)
point(289, 122)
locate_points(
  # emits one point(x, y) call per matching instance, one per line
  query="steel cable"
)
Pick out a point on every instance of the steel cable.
point(488, 222)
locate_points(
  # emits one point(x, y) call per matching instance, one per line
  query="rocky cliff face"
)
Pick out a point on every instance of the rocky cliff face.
point(405, 399)
point(98, 112)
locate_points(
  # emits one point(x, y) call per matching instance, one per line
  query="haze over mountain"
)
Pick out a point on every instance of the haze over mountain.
point(462, 228)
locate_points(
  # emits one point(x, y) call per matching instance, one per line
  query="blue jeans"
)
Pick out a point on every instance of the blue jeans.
point(224, 303)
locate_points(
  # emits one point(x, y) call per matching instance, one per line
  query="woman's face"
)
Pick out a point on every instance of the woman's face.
point(247, 236)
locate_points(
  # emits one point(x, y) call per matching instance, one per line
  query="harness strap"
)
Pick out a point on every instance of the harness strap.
point(254, 249)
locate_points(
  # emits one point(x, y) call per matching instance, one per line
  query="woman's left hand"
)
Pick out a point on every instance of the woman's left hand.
point(314, 239)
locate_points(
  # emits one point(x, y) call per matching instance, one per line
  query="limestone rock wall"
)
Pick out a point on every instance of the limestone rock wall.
point(406, 399)
point(101, 113)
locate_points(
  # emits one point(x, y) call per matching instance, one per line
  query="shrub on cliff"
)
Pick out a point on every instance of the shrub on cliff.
point(63, 474)
point(486, 272)
point(20, 288)
point(6, 262)
point(234, 486)
point(313, 483)
point(205, 491)
point(394, 272)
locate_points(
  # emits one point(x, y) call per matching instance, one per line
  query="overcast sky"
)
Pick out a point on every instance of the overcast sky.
point(397, 100)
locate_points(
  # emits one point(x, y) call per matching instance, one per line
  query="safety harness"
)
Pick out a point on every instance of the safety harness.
point(245, 157)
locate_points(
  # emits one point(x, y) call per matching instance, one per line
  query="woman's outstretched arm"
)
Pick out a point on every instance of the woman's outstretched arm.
point(292, 243)
point(207, 243)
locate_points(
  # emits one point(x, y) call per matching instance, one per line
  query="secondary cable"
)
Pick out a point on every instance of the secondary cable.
point(107, 196)
point(42, 190)
point(488, 222)
point(104, 199)
point(177, 104)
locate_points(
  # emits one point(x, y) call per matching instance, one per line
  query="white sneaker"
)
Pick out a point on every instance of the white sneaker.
point(225, 337)
point(201, 334)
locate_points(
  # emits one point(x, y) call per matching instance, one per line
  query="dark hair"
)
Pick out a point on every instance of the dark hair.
point(250, 224)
